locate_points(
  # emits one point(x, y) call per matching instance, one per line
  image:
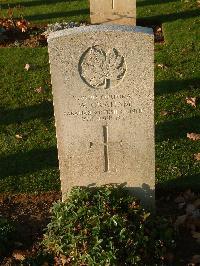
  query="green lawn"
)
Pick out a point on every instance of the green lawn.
point(30, 164)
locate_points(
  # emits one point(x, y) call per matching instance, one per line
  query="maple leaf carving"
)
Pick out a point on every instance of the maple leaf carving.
point(100, 69)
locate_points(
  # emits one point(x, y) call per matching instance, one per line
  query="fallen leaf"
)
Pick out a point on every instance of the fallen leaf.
point(191, 101)
point(162, 66)
point(197, 156)
point(158, 29)
point(19, 136)
point(22, 24)
point(193, 136)
point(63, 258)
point(196, 235)
point(40, 90)
point(195, 259)
point(19, 254)
point(27, 66)
point(164, 113)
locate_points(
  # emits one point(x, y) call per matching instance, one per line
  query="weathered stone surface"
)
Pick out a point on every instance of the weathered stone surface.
point(103, 80)
point(121, 12)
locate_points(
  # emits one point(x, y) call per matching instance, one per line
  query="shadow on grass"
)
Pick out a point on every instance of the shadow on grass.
point(43, 110)
point(153, 2)
point(67, 14)
point(173, 16)
point(179, 185)
point(35, 3)
point(176, 129)
point(171, 86)
point(27, 162)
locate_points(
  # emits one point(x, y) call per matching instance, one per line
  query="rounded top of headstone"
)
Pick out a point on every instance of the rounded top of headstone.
point(100, 28)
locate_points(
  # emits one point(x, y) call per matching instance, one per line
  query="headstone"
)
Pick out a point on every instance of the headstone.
point(121, 12)
point(103, 80)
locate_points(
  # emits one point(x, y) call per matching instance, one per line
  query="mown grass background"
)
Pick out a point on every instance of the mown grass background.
point(30, 164)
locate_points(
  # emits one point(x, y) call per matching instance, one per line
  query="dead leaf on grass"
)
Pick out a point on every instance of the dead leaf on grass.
point(197, 156)
point(27, 66)
point(18, 136)
point(40, 90)
point(193, 136)
point(163, 113)
point(191, 101)
point(162, 66)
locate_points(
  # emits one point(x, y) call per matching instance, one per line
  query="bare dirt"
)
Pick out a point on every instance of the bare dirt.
point(19, 33)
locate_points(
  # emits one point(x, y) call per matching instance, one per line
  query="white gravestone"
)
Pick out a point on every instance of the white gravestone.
point(103, 90)
point(121, 12)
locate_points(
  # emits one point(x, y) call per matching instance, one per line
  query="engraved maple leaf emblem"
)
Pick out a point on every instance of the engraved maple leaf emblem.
point(99, 69)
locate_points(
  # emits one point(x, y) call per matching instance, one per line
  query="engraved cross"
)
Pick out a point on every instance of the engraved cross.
point(113, 4)
point(106, 157)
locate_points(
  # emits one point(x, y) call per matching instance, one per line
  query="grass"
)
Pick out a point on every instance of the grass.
point(30, 164)
point(48, 11)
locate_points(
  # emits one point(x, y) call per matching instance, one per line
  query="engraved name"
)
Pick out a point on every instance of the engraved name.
point(104, 107)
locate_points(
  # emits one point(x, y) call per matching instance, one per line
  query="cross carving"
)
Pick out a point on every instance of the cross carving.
point(105, 136)
point(113, 4)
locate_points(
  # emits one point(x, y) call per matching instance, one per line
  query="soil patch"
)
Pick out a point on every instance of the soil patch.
point(18, 33)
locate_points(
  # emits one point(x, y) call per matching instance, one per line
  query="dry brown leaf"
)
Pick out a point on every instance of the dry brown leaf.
point(63, 258)
point(27, 66)
point(197, 156)
point(162, 66)
point(196, 235)
point(18, 136)
point(193, 136)
point(19, 254)
point(191, 101)
point(40, 90)
point(195, 259)
point(22, 24)
point(158, 29)
point(163, 113)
